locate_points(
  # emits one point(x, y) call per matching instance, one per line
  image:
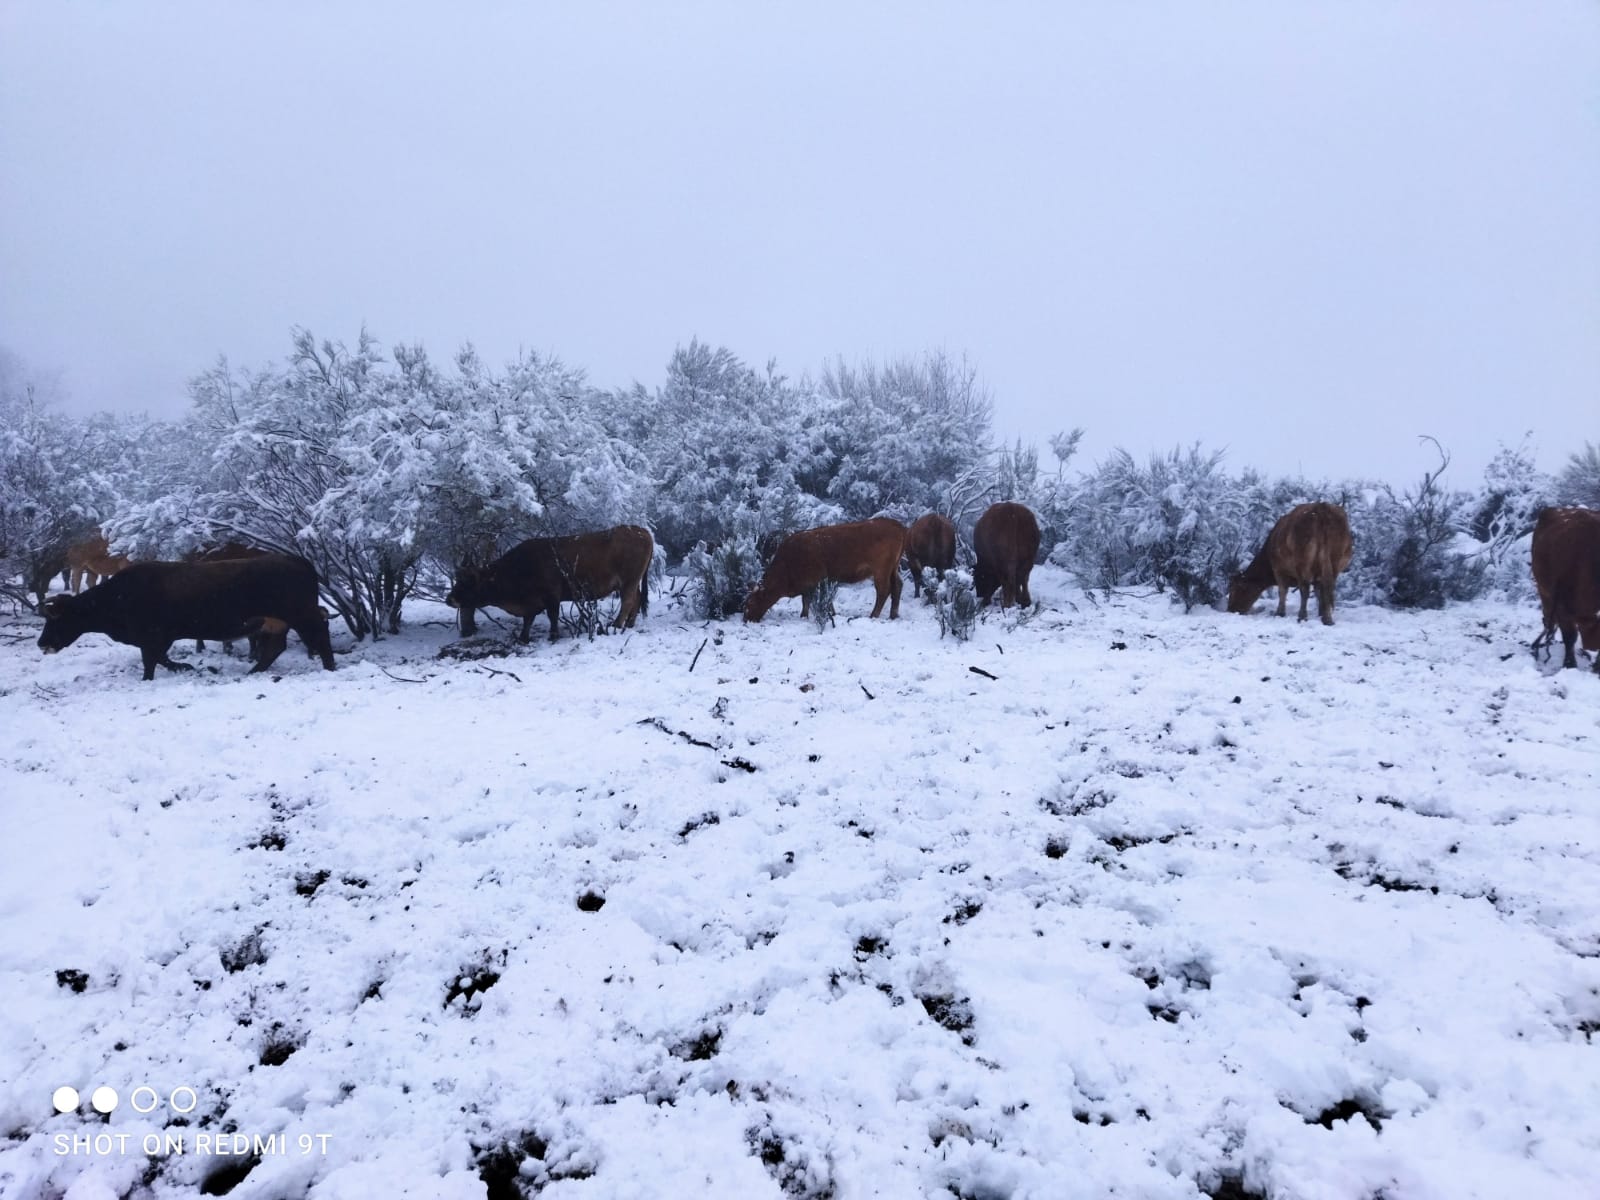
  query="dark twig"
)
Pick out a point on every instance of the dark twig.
point(697, 654)
point(492, 671)
point(981, 671)
point(398, 678)
point(863, 687)
point(658, 723)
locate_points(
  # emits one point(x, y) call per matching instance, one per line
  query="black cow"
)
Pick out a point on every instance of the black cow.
point(152, 604)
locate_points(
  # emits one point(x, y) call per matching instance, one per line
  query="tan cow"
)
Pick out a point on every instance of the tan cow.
point(1308, 547)
point(848, 553)
point(91, 560)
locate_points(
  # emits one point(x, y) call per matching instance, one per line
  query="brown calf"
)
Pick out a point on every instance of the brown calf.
point(930, 542)
point(848, 553)
point(1566, 571)
point(1006, 540)
point(1308, 547)
point(535, 576)
point(91, 559)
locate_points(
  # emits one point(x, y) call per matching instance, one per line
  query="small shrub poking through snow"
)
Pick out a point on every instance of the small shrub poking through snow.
point(821, 598)
point(957, 605)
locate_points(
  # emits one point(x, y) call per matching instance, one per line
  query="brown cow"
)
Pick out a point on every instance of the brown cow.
point(848, 553)
point(1566, 570)
point(1309, 546)
point(91, 559)
point(535, 576)
point(1006, 539)
point(930, 542)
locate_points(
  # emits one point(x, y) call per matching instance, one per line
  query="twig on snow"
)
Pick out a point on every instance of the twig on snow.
point(863, 687)
point(492, 671)
point(981, 671)
point(697, 654)
point(399, 678)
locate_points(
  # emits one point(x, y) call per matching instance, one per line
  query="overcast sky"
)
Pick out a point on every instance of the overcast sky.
point(1306, 232)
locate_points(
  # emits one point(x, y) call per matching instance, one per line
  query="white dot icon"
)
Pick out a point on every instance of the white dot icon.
point(65, 1099)
point(104, 1099)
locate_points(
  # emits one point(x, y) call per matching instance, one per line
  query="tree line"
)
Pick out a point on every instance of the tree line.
point(390, 472)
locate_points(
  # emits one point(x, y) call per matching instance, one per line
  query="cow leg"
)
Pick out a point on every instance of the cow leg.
point(157, 655)
point(1023, 594)
point(896, 586)
point(1325, 601)
point(629, 609)
point(1305, 598)
point(1569, 635)
point(554, 613)
point(466, 621)
point(805, 604)
point(319, 642)
point(267, 648)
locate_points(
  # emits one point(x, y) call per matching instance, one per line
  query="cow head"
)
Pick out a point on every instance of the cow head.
point(467, 595)
point(760, 600)
point(1242, 594)
point(65, 621)
point(984, 581)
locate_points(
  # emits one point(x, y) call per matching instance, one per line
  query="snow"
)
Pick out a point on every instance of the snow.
point(1173, 900)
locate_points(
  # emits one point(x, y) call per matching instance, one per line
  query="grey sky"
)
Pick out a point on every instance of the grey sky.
point(1307, 232)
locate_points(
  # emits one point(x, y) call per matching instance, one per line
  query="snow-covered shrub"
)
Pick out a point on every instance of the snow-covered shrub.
point(1177, 522)
point(1579, 481)
point(59, 478)
point(910, 436)
point(722, 576)
point(1505, 511)
point(368, 470)
point(822, 602)
point(1409, 552)
point(956, 602)
point(728, 449)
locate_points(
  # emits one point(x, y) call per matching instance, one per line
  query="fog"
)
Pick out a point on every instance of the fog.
point(1307, 233)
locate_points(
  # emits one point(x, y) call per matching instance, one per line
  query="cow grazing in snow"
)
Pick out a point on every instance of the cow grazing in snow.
point(1566, 572)
point(91, 559)
point(1308, 547)
point(848, 553)
point(153, 604)
point(930, 542)
point(1006, 540)
point(535, 576)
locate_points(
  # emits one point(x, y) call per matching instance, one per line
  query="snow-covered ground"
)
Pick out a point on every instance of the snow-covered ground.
point(1170, 906)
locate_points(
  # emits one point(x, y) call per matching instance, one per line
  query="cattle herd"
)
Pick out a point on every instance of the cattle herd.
point(233, 591)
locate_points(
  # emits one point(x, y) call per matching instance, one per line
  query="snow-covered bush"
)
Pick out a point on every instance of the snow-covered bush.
point(1579, 481)
point(59, 478)
point(1177, 521)
point(722, 576)
point(1409, 552)
point(911, 436)
point(369, 470)
point(956, 602)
